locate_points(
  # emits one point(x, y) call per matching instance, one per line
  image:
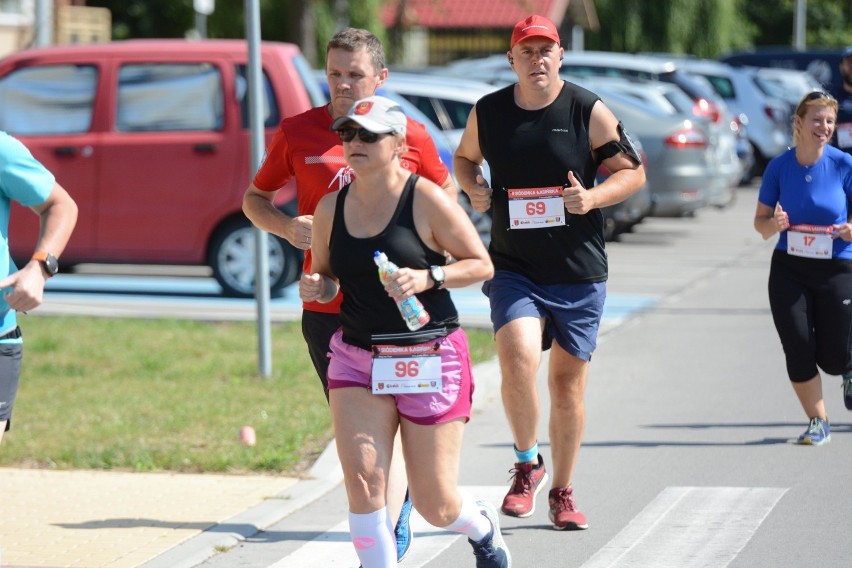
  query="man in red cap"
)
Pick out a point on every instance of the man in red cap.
point(544, 139)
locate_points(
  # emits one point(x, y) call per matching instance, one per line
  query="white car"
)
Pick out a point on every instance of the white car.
point(769, 119)
point(447, 101)
point(786, 84)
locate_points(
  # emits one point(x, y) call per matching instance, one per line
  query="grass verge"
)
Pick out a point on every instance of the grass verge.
point(150, 395)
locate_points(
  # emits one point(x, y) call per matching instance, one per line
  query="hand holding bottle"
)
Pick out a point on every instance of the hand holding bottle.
point(412, 311)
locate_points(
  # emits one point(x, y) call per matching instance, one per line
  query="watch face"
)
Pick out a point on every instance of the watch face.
point(51, 265)
point(437, 275)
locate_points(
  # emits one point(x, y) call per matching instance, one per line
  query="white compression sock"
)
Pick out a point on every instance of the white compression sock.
point(471, 522)
point(373, 540)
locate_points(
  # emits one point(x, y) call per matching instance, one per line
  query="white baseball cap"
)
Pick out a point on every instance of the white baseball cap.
point(377, 114)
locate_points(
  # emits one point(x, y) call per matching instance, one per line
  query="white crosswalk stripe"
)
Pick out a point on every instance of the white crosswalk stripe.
point(682, 527)
point(687, 527)
point(334, 549)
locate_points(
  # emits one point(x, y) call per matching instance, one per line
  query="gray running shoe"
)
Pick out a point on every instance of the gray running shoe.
point(817, 434)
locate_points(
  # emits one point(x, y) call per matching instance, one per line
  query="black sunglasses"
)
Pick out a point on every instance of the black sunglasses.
point(348, 134)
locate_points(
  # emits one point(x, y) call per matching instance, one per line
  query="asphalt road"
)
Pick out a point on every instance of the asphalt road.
point(687, 458)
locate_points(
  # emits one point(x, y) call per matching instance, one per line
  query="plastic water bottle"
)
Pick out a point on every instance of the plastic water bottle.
point(413, 312)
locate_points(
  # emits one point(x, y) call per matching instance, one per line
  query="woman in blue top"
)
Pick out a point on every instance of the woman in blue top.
point(805, 197)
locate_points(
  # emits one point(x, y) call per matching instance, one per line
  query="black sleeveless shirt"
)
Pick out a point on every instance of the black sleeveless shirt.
point(537, 148)
point(367, 309)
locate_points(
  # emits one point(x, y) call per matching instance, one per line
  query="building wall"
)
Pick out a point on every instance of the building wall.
point(16, 23)
point(72, 23)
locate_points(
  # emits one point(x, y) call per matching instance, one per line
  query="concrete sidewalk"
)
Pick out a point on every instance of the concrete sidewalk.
point(96, 519)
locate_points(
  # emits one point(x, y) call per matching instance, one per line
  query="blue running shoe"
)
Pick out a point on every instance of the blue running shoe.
point(491, 551)
point(402, 531)
point(847, 390)
point(817, 434)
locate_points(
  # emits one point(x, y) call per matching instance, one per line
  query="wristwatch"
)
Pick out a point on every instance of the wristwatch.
point(438, 276)
point(48, 261)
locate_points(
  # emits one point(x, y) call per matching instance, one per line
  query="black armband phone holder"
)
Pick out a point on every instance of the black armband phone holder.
point(624, 144)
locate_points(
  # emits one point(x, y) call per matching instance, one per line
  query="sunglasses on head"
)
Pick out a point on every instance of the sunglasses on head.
point(815, 95)
point(347, 134)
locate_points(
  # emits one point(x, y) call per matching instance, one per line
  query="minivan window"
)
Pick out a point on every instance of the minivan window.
point(156, 97)
point(271, 114)
point(48, 99)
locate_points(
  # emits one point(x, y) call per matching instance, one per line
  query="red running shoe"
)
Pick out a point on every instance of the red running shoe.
point(528, 479)
point(563, 510)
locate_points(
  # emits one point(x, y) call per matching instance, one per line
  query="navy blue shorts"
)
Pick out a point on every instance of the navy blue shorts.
point(572, 312)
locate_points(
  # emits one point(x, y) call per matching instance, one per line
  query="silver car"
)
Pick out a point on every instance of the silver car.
point(680, 167)
point(733, 151)
point(769, 126)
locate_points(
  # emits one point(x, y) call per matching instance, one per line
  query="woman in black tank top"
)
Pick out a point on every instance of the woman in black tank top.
point(428, 398)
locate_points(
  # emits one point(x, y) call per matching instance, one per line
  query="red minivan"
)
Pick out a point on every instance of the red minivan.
point(151, 139)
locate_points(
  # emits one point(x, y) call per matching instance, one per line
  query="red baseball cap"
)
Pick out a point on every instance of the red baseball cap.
point(534, 26)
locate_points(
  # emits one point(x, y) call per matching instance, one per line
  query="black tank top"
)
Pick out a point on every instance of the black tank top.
point(530, 149)
point(367, 309)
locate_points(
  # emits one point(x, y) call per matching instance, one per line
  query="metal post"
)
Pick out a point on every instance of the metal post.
point(258, 143)
point(43, 33)
point(201, 25)
point(800, 20)
point(577, 38)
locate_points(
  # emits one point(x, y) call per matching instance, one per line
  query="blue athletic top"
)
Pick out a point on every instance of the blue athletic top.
point(811, 195)
point(25, 180)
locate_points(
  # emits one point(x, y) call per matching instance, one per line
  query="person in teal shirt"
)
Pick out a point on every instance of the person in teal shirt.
point(25, 180)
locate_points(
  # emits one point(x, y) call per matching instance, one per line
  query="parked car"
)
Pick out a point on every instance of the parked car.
point(447, 102)
point(789, 85)
point(706, 105)
point(150, 138)
point(735, 153)
point(680, 165)
point(769, 118)
point(823, 64)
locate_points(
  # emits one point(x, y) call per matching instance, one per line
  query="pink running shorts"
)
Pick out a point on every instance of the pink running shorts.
point(351, 366)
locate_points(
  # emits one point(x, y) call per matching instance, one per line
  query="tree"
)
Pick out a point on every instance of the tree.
point(148, 18)
point(697, 27)
point(707, 28)
point(828, 22)
point(308, 23)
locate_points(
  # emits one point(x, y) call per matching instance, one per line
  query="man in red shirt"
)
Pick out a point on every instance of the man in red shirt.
point(306, 148)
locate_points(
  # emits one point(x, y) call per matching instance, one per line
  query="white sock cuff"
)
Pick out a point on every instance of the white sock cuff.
point(470, 522)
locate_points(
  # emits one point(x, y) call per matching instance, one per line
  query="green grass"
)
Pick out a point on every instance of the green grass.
point(149, 395)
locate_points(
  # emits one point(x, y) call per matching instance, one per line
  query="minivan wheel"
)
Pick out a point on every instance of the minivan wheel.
point(232, 259)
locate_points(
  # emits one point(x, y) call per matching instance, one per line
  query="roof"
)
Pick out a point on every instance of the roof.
point(473, 13)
